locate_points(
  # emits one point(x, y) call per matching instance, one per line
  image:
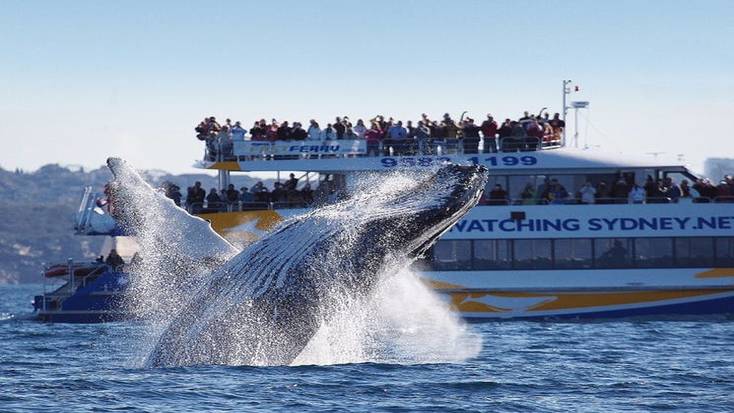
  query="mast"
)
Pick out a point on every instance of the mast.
point(565, 91)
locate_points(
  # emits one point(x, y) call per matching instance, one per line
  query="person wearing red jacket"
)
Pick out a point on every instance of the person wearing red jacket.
point(373, 137)
point(489, 134)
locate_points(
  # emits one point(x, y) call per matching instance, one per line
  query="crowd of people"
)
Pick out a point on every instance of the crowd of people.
point(198, 200)
point(381, 133)
point(622, 190)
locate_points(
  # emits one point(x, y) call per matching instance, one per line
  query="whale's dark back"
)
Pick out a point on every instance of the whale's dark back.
point(264, 305)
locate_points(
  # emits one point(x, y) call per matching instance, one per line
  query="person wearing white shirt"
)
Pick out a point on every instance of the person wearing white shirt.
point(314, 132)
point(637, 195)
point(588, 193)
point(359, 129)
point(238, 132)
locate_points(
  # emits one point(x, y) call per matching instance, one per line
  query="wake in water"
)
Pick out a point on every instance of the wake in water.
point(327, 287)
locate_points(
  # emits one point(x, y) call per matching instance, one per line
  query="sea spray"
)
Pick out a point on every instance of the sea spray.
point(338, 264)
point(175, 252)
point(404, 322)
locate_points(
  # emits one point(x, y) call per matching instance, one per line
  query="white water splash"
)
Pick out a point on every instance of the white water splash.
point(404, 322)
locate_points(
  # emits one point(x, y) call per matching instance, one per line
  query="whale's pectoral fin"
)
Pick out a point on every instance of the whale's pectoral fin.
point(140, 209)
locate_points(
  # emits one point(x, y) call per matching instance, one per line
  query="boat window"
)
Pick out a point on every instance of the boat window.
point(579, 253)
point(612, 252)
point(654, 252)
point(492, 253)
point(452, 255)
point(494, 180)
point(533, 253)
point(725, 251)
point(517, 185)
point(694, 251)
point(572, 253)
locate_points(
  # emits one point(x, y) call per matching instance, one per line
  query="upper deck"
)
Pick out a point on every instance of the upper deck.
point(352, 155)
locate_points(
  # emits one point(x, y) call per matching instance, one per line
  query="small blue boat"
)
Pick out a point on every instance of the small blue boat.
point(92, 293)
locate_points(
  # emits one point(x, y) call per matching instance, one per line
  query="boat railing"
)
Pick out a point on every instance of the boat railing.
point(724, 199)
point(215, 207)
point(86, 207)
point(247, 150)
point(570, 201)
point(604, 201)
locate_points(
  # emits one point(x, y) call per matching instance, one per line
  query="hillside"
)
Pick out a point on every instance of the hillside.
point(37, 211)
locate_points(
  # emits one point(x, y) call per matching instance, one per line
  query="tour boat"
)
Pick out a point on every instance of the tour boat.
point(524, 257)
point(520, 257)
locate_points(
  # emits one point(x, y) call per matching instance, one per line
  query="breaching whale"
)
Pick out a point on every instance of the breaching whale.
point(264, 304)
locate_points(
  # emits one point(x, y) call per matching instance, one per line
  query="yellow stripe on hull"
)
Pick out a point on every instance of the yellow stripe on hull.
point(503, 301)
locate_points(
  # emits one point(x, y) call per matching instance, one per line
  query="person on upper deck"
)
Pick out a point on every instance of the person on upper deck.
point(284, 131)
point(373, 137)
point(397, 132)
point(314, 131)
point(397, 135)
point(422, 136)
point(451, 131)
point(257, 133)
point(298, 133)
point(202, 130)
point(505, 130)
point(328, 134)
point(534, 130)
point(339, 128)
point(238, 132)
point(470, 133)
point(436, 130)
point(557, 124)
point(272, 130)
point(524, 121)
point(360, 129)
point(518, 131)
point(489, 133)
point(349, 133)
point(213, 126)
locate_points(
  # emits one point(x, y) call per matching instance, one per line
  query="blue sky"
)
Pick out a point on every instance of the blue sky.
point(80, 81)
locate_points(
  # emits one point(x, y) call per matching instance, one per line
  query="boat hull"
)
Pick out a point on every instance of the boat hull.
point(547, 305)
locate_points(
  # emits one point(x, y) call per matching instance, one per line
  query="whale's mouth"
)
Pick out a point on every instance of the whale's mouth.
point(468, 186)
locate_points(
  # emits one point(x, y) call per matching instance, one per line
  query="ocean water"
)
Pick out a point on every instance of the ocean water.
point(522, 366)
